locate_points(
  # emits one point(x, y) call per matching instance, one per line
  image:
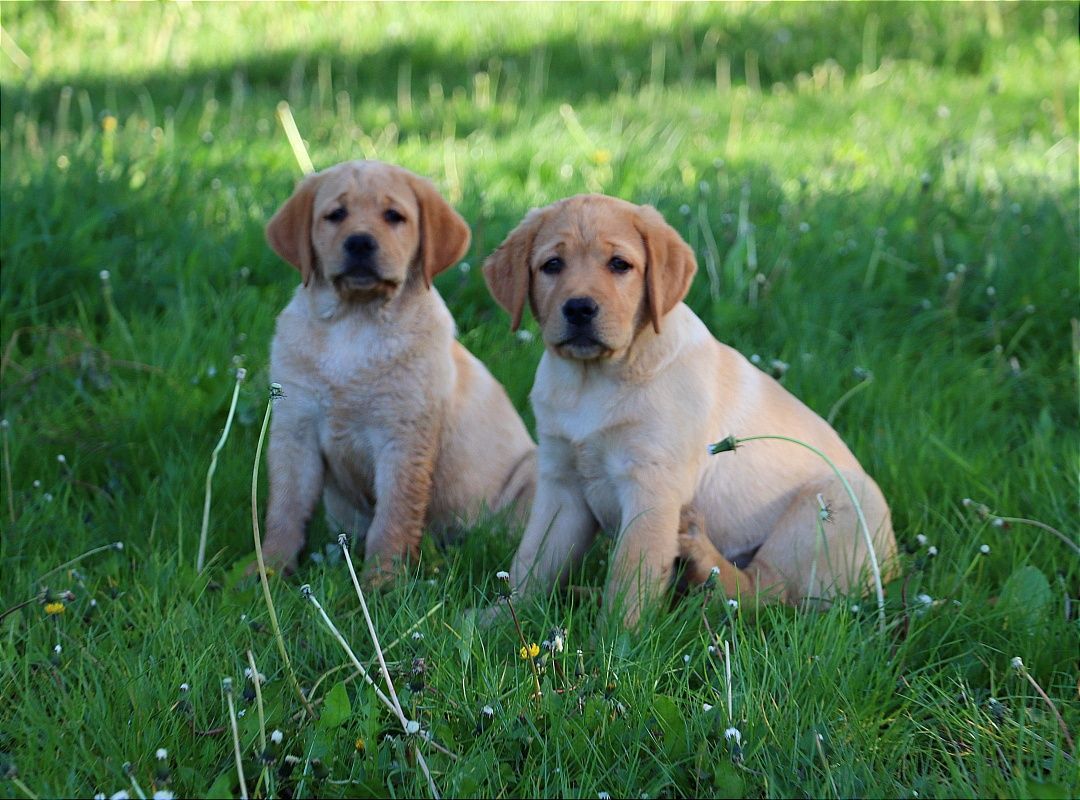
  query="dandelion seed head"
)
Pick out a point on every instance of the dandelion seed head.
point(966, 502)
point(118, 545)
point(1017, 663)
point(61, 458)
point(854, 608)
point(103, 275)
point(412, 726)
point(998, 522)
point(984, 549)
point(47, 497)
point(37, 484)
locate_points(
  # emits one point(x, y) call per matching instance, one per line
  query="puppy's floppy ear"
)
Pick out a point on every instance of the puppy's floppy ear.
point(289, 230)
point(507, 271)
point(671, 264)
point(444, 235)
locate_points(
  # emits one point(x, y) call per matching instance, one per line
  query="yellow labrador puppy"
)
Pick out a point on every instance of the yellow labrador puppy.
point(630, 390)
point(384, 413)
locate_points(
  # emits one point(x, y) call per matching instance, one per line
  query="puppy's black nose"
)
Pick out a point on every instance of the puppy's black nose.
point(580, 310)
point(361, 244)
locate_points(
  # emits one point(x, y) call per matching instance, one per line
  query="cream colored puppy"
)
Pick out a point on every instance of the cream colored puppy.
point(630, 390)
point(384, 413)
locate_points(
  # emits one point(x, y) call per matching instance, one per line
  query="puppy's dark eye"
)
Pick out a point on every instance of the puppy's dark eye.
point(620, 265)
point(393, 216)
point(337, 215)
point(553, 266)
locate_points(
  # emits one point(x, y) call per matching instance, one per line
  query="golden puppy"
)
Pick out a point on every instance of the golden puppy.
point(385, 413)
point(629, 392)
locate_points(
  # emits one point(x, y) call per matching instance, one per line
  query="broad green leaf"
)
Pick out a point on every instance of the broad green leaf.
point(336, 707)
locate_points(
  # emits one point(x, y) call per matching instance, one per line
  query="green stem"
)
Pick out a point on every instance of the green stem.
point(259, 556)
point(200, 559)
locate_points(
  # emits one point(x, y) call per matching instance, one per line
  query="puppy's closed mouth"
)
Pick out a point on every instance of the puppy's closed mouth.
point(582, 345)
point(364, 283)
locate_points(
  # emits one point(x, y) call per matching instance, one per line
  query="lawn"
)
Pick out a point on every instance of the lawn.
point(883, 201)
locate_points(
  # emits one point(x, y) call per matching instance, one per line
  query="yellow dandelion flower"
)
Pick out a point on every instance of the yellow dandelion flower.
point(108, 124)
point(54, 608)
point(360, 745)
point(532, 651)
point(601, 156)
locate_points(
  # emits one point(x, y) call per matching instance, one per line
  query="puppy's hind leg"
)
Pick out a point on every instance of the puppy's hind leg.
point(702, 557)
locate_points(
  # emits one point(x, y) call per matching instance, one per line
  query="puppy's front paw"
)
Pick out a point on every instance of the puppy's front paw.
point(691, 527)
point(276, 563)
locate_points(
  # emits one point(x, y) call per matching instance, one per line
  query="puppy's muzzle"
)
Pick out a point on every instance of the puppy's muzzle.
point(580, 339)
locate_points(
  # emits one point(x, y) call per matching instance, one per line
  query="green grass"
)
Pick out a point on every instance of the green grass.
point(904, 177)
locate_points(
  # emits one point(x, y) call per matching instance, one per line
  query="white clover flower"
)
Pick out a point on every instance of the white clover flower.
point(37, 484)
point(525, 335)
point(118, 545)
point(706, 707)
point(984, 549)
point(99, 796)
point(121, 795)
point(487, 711)
point(184, 687)
point(921, 539)
point(686, 658)
point(966, 502)
point(276, 736)
point(714, 571)
point(242, 712)
point(924, 599)
point(733, 604)
point(163, 794)
point(161, 754)
point(412, 726)
point(47, 497)
point(931, 551)
point(104, 275)
point(417, 636)
point(804, 227)
point(502, 575)
point(733, 733)
point(1017, 663)
point(603, 796)
point(61, 458)
point(998, 522)
point(465, 266)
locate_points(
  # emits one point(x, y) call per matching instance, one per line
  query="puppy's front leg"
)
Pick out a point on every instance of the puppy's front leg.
point(559, 530)
point(403, 476)
point(645, 553)
point(296, 478)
